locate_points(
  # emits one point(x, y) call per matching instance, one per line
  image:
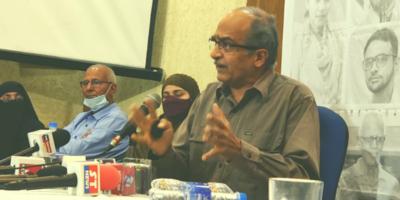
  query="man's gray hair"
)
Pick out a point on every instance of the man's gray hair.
point(372, 119)
point(263, 33)
point(110, 73)
point(386, 35)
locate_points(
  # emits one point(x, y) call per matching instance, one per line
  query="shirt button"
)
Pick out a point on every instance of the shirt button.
point(249, 155)
point(220, 165)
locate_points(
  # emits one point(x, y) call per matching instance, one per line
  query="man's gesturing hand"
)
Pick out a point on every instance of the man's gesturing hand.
point(218, 133)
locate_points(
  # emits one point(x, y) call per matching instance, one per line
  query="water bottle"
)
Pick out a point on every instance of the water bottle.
point(168, 184)
point(229, 196)
point(173, 189)
point(158, 194)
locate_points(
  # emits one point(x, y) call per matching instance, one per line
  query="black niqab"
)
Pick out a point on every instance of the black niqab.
point(17, 119)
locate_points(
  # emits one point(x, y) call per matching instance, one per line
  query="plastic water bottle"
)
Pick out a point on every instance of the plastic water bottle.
point(229, 196)
point(158, 194)
point(52, 126)
point(173, 189)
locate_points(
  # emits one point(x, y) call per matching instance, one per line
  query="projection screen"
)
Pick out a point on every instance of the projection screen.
point(115, 32)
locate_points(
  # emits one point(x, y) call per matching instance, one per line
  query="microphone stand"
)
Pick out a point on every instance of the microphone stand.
point(30, 150)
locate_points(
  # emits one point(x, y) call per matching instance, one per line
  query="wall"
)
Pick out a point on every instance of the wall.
point(180, 46)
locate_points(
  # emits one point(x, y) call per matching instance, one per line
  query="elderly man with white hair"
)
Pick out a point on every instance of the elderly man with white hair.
point(92, 131)
point(367, 177)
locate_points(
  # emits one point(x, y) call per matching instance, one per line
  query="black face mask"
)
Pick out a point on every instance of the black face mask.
point(174, 106)
point(11, 111)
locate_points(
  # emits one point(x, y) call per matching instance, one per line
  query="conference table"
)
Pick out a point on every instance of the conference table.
point(61, 194)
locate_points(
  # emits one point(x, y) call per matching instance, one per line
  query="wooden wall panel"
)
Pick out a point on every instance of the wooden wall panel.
point(275, 7)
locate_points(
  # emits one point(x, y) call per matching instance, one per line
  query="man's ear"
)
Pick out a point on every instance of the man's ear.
point(113, 88)
point(111, 92)
point(261, 57)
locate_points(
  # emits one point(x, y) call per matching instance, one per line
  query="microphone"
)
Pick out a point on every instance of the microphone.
point(11, 169)
point(154, 100)
point(48, 140)
point(109, 179)
point(57, 170)
point(60, 137)
point(42, 182)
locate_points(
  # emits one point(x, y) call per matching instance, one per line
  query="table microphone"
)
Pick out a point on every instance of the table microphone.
point(60, 136)
point(56, 170)
point(109, 179)
point(11, 169)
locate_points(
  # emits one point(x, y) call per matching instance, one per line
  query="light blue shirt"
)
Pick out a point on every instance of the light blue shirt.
point(91, 133)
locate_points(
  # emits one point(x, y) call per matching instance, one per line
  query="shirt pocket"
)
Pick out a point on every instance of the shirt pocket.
point(264, 140)
point(197, 147)
point(200, 170)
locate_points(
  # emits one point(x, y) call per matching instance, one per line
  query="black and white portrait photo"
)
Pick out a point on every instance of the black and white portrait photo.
point(367, 12)
point(347, 53)
point(316, 57)
point(371, 70)
point(370, 167)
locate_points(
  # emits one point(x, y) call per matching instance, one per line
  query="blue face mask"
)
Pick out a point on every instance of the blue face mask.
point(96, 103)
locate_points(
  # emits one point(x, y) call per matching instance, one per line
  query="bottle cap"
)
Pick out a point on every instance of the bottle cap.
point(52, 125)
point(242, 196)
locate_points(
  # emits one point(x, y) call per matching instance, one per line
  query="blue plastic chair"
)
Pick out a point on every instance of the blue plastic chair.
point(334, 140)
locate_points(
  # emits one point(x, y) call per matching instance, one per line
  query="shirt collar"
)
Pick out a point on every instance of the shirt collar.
point(102, 111)
point(262, 85)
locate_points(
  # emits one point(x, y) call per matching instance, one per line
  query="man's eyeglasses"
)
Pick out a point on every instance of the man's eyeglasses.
point(380, 61)
point(227, 45)
point(93, 82)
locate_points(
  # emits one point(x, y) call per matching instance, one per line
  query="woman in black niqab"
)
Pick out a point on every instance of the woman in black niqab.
point(17, 118)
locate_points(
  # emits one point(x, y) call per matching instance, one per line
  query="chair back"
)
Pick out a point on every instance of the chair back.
point(333, 145)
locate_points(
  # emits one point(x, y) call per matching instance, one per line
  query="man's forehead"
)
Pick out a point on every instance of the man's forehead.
point(234, 25)
point(379, 46)
point(96, 73)
point(372, 129)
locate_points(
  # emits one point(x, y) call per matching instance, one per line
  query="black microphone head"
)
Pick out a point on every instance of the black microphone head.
point(7, 169)
point(155, 100)
point(151, 100)
point(55, 170)
point(61, 137)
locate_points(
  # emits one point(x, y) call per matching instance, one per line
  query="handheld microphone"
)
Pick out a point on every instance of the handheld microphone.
point(154, 100)
point(109, 178)
point(60, 137)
